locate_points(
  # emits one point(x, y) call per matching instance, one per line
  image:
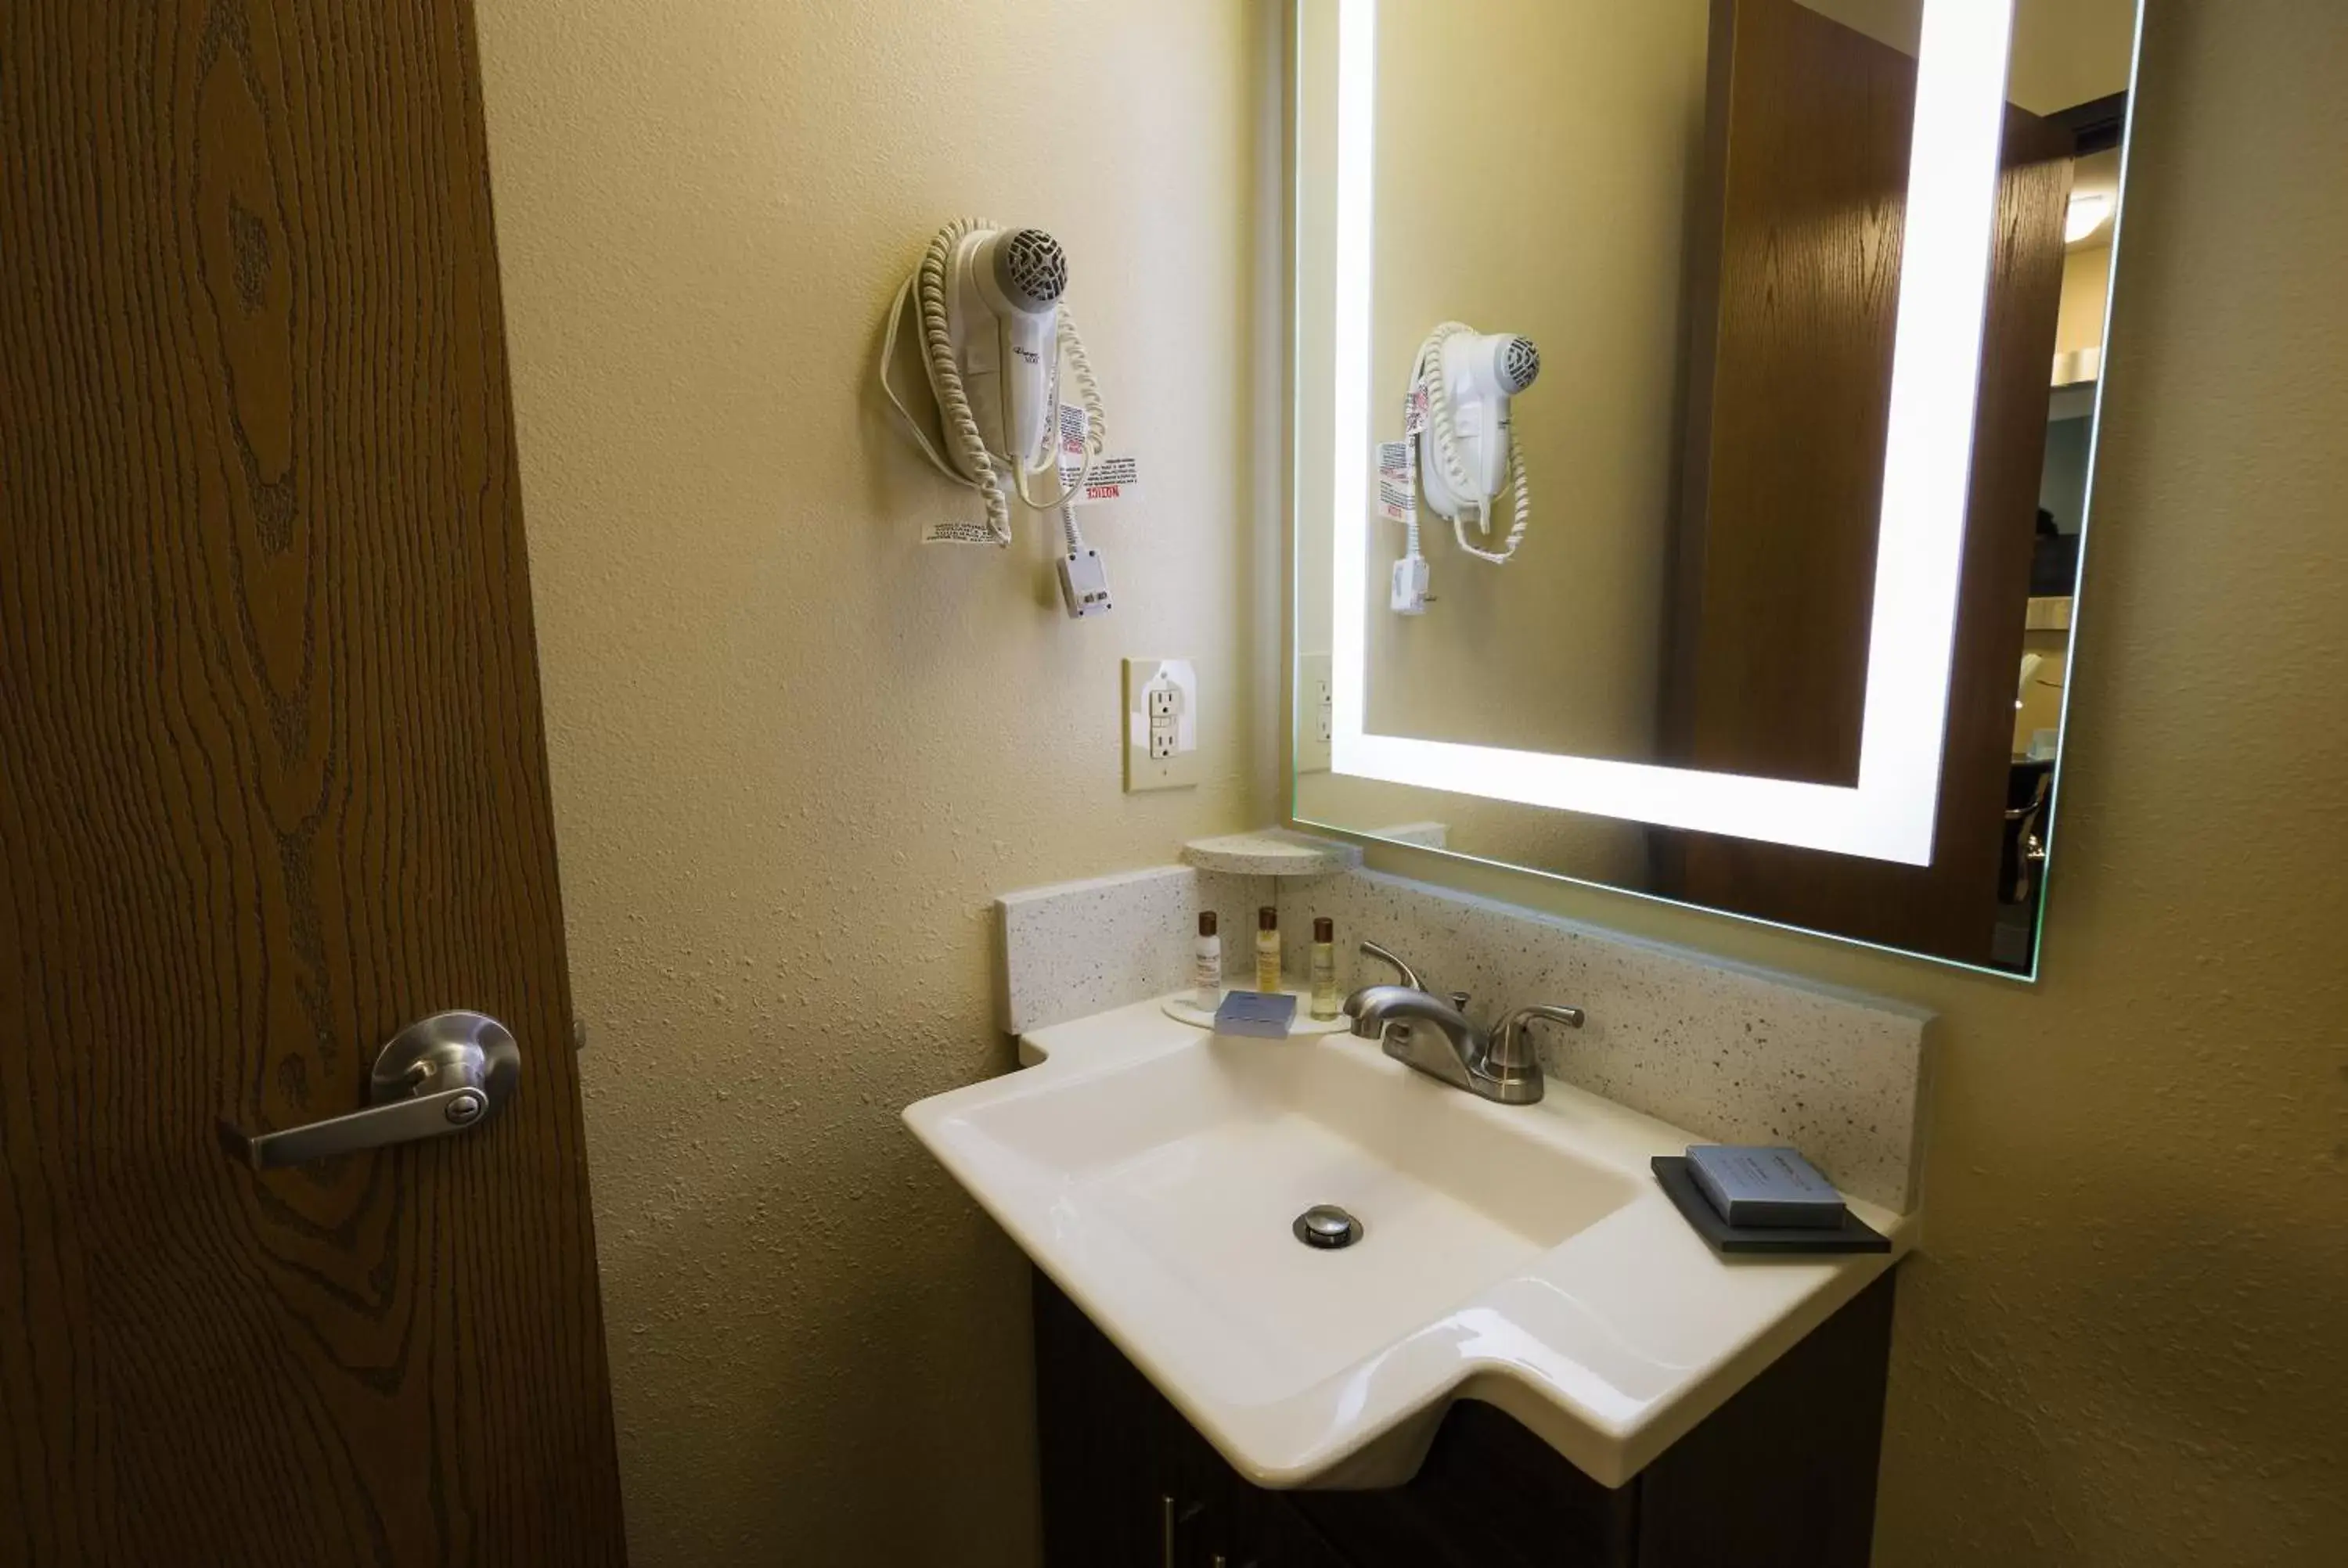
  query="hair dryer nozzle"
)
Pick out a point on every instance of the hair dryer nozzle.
point(1030, 269)
point(1518, 364)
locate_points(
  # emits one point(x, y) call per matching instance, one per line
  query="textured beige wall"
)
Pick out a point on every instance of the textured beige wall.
point(2127, 1341)
point(794, 752)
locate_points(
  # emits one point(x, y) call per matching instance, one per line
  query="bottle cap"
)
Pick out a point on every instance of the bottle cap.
point(1267, 918)
point(1206, 922)
point(1325, 929)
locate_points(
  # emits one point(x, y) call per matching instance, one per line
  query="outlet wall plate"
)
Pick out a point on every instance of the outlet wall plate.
point(1315, 712)
point(1161, 724)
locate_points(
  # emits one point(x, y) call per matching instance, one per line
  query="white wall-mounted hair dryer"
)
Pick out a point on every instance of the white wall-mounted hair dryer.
point(995, 327)
point(1003, 322)
point(1470, 379)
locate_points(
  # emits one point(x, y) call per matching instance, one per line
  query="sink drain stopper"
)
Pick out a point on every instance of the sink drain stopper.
point(1327, 1227)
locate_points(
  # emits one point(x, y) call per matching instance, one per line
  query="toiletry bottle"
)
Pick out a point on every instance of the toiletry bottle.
point(1324, 967)
point(1267, 950)
point(1207, 965)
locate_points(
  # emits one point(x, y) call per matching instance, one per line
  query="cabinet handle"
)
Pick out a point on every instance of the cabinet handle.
point(1170, 1521)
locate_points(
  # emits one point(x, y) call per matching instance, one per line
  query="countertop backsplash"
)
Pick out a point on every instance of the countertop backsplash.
point(1728, 1052)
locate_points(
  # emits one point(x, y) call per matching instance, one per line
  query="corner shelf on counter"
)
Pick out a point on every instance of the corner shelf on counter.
point(1272, 853)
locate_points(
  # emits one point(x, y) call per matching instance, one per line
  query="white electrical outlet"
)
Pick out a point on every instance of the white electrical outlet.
point(1161, 724)
point(1316, 712)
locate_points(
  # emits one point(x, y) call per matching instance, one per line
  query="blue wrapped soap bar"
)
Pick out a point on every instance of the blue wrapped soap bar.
point(1266, 1014)
point(1759, 1186)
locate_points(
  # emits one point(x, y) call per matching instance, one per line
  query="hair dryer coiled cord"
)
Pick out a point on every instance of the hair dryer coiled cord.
point(926, 289)
point(1442, 437)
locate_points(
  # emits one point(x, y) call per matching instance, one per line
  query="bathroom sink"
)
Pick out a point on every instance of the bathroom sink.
point(1520, 1255)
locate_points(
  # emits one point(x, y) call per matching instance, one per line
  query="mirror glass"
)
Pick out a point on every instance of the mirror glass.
point(1695, 410)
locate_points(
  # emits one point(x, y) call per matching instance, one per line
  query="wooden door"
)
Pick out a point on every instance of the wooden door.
point(1792, 290)
point(273, 784)
point(1794, 295)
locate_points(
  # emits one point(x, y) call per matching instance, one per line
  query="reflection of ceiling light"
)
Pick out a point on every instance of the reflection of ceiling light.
point(2088, 211)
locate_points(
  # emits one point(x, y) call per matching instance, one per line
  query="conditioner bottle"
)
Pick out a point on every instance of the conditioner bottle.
point(1267, 950)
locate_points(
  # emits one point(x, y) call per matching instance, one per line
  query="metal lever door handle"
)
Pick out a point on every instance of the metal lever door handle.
point(438, 1075)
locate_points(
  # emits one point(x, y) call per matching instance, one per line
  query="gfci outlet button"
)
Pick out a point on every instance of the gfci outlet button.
point(1161, 724)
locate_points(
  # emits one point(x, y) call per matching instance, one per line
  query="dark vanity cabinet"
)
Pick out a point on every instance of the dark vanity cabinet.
point(1782, 1476)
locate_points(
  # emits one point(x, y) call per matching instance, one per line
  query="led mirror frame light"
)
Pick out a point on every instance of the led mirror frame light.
point(1952, 181)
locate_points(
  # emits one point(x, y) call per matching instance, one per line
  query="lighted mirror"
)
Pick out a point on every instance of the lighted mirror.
point(1696, 403)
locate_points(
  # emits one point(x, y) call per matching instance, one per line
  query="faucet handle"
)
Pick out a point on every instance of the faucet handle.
point(1409, 976)
point(1510, 1050)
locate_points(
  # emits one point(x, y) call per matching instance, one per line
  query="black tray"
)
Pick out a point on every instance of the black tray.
point(1672, 1171)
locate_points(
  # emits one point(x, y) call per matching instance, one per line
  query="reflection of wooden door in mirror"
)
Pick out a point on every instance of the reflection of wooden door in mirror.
point(1793, 300)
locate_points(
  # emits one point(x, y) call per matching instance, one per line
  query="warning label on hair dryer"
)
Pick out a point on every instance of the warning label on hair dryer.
point(1114, 479)
point(1397, 481)
point(1115, 476)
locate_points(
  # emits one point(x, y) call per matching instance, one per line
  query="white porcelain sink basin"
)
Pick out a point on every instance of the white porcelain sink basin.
point(1520, 1255)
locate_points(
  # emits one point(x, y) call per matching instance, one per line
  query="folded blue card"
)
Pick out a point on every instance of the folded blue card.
point(1266, 1014)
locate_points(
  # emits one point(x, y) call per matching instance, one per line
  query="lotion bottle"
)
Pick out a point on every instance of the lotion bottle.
point(1207, 965)
point(1267, 950)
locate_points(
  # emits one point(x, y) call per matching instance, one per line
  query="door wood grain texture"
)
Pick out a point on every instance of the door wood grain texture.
point(273, 784)
point(1766, 647)
point(1792, 297)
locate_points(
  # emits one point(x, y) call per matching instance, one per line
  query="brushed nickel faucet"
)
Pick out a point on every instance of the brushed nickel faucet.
point(1409, 976)
point(1500, 1065)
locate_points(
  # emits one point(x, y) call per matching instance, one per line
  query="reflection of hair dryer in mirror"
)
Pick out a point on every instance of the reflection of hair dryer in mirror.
point(1470, 379)
point(994, 326)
